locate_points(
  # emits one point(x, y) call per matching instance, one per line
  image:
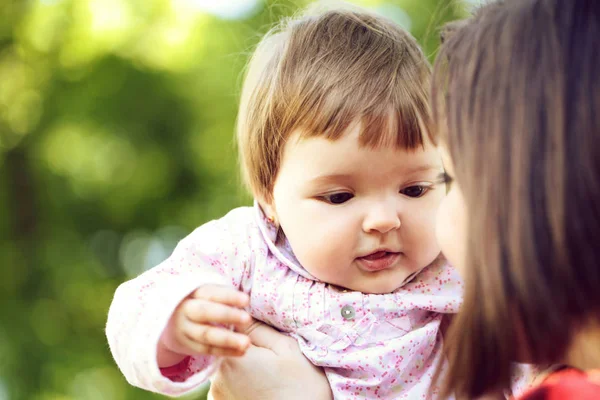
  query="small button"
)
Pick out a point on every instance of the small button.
point(348, 312)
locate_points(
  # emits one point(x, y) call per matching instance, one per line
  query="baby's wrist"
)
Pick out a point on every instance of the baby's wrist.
point(165, 357)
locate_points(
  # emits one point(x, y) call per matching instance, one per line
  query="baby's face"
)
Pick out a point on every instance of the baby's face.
point(355, 217)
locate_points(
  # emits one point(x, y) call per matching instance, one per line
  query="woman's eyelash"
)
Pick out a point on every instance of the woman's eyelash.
point(448, 178)
point(445, 178)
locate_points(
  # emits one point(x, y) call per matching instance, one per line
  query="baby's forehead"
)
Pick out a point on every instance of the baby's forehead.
point(347, 155)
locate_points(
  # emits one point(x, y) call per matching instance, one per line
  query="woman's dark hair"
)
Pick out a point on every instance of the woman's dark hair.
point(516, 99)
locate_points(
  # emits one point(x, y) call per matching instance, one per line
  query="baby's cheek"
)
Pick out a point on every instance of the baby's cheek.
point(312, 255)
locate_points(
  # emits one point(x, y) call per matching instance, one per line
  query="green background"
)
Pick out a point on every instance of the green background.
point(116, 127)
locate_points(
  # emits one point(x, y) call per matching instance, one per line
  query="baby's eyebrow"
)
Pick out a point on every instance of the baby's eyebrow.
point(329, 178)
point(424, 168)
point(347, 178)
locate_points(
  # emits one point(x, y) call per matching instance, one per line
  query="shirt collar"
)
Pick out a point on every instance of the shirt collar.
point(282, 251)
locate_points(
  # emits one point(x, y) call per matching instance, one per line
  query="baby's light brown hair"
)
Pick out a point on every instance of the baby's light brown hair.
point(318, 74)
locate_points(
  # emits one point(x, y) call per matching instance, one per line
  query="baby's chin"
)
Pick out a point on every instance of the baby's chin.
point(383, 282)
point(439, 260)
point(389, 286)
point(367, 286)
point(379, 282)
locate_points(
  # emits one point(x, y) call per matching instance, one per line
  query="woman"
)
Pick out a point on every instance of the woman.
point(517, 98)
point(516, 95)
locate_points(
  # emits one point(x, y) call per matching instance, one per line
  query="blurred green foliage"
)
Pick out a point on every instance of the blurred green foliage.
point(116, 126)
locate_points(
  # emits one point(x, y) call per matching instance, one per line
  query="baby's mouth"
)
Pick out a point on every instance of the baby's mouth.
point(376, 256)
point(378, 260)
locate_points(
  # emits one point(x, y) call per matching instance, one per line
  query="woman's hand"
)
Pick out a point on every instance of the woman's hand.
point(272, 368)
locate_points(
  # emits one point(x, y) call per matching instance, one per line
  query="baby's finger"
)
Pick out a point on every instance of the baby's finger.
point(222, 294)
point(194, 348)
point(205, 312)
point(214, 336)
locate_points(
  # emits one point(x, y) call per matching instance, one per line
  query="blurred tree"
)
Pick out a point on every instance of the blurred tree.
point(116, 126)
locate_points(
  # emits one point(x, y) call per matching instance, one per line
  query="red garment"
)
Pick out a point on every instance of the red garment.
point(567, 384)
point(176, 372)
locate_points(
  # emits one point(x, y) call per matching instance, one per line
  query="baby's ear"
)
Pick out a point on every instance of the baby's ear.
point(450, 28)
point(269, 210)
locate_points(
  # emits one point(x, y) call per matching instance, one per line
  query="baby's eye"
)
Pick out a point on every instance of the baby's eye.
point(414, 191)
point(338, 198)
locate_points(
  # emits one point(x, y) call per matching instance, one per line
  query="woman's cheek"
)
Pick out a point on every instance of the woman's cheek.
point(451, 227)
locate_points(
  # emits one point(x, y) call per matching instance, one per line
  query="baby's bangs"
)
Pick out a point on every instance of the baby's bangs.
point(402, 127)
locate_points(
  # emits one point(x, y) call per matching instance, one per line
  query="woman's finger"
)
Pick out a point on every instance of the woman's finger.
point(267, 337)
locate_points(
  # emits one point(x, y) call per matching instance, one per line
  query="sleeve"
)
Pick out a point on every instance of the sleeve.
point(522, 378)
point(216, 253)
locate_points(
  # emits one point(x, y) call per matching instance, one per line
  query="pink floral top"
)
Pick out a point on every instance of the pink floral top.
point(383, 346)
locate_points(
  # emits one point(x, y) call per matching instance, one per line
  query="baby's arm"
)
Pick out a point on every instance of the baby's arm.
point(145, 309)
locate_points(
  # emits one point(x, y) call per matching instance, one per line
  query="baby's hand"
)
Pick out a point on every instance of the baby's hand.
point(199, 325)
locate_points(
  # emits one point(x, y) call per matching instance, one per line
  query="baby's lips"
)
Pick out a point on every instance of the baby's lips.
point(375, 256)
